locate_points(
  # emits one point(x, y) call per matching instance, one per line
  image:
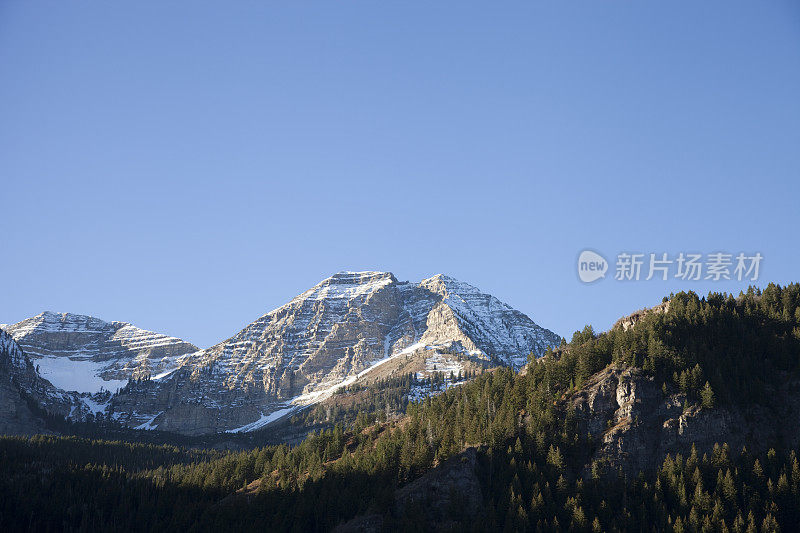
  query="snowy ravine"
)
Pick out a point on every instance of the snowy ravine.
point(322, 339)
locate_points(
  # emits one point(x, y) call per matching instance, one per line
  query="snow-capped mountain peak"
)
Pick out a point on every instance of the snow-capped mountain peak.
point(326, 336)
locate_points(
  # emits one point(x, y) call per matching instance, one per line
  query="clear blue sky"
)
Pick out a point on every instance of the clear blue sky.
point(189, 166)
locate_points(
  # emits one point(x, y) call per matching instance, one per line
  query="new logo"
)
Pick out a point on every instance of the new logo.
point(591, 266)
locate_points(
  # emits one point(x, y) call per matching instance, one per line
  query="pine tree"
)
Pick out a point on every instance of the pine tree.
point(707, 396)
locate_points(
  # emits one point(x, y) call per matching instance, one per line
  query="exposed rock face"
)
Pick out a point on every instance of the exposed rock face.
point(21, 386)
point(341, 327)
point(637, 424)
point(78, 352)
point(16, 417)
point(629, 321)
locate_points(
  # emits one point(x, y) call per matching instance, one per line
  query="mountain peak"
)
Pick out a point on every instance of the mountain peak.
point(365, 276)
point(49, 321)
point(345, 285)
point(445, 285)
point(83, 353)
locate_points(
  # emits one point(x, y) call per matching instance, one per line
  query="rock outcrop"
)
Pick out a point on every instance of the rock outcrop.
point(629, 321)
point(636, 423)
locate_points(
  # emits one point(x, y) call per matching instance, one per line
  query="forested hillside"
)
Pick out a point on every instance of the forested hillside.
point(504, 452)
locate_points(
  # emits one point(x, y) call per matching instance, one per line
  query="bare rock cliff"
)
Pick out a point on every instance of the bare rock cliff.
point(636, 424)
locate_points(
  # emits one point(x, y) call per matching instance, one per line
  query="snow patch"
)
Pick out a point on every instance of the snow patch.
point(76, 374)
point(94, 406)
point(148, 426)
point(264, 420)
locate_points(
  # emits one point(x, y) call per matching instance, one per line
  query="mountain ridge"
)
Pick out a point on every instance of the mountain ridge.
point(109, 352)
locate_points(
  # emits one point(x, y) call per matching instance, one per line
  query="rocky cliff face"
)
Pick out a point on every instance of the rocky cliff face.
point(16, 416)
point(629, 321)
point(636, 423)
point(23, 391)
point(327, 336)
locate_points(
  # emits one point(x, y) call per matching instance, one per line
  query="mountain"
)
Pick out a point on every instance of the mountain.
point(351, 327)
point(85, 354)
point(679, 418)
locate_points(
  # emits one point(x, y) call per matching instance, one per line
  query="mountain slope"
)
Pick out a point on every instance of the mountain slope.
point(328, 336)
point(16, 417)
point(23, 392)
